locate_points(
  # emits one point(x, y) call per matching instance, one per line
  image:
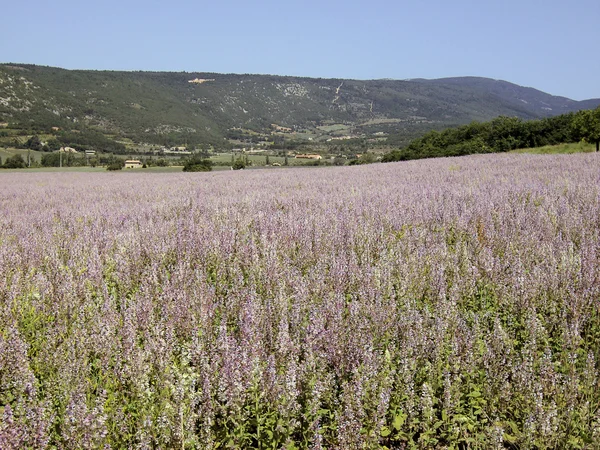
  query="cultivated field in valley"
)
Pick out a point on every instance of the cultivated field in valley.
point(449, 303)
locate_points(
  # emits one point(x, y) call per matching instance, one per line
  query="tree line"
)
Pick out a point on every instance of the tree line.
point(87, 140)
point(503, 134)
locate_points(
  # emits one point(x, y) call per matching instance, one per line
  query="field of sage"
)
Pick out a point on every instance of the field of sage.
point(447, 303)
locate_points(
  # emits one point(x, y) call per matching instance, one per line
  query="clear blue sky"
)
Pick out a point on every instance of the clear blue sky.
point(552, 45)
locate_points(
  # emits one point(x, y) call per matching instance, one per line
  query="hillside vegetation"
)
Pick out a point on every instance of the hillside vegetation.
point(503, 134)
point(221, 110)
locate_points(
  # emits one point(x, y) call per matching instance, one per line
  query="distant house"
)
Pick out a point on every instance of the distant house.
point(67, 150)
point(280, 128)
point(175, 151)
point(90, 153)
point(133, 164)
point(200, 80)
point(308, 157)
point(55, 129)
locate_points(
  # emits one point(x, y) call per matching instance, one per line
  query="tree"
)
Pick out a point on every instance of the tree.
point(34, 143)
point(51, 160)
point(238, 164)
point(14, 162)
point(197, 164)
point(51, 145)
point(586, 125)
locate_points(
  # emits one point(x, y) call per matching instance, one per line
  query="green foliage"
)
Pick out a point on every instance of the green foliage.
point(339, 161)
point(165, 109)
point(90, 140)
point(51, 145)
point(34, 143)
point(239, 164)
point(499, 135)
point(367, 158)
point(586, 125)
point(14, 162)
point(115, 166)
point(66, 159)
point(198, 164)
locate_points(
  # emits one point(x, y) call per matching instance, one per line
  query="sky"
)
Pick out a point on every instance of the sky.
point(551, 45)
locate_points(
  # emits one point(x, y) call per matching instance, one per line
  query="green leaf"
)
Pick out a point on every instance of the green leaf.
point(385, 432)
point(461, 418)
point(514, 428)
point(398, 421)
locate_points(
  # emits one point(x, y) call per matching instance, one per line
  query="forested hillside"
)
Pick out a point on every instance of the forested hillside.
point(207, 108)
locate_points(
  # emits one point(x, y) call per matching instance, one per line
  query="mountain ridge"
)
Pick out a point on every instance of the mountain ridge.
point(207, 106)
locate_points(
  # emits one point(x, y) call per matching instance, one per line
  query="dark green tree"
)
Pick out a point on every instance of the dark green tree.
point(34, 143)
point(238, 164)
point(197, 164)
point(14, 162)
point(51, 159)
point(586, 125)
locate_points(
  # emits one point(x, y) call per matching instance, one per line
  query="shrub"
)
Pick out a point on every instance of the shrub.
point(14, 162)
point(238, 164)
point(198, 165)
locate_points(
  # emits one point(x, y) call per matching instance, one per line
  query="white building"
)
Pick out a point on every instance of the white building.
point(133, 164)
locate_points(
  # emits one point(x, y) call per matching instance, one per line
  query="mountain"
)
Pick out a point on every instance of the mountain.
point(206, 107)
point(537, 102)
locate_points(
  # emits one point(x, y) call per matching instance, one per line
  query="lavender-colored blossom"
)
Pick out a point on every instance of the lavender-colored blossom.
point(437, 303)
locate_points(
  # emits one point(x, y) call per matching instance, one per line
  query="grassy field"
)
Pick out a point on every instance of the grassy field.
point(259, 160)
point(169, 169)
point(335, 127)
point(8, 152)
point(579, 147)
point(223, 160)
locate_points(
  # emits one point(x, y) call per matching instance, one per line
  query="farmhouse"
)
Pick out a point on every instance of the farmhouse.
point(280, 128)
point(133, 164)
point(308, 157)
point(200, 80)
